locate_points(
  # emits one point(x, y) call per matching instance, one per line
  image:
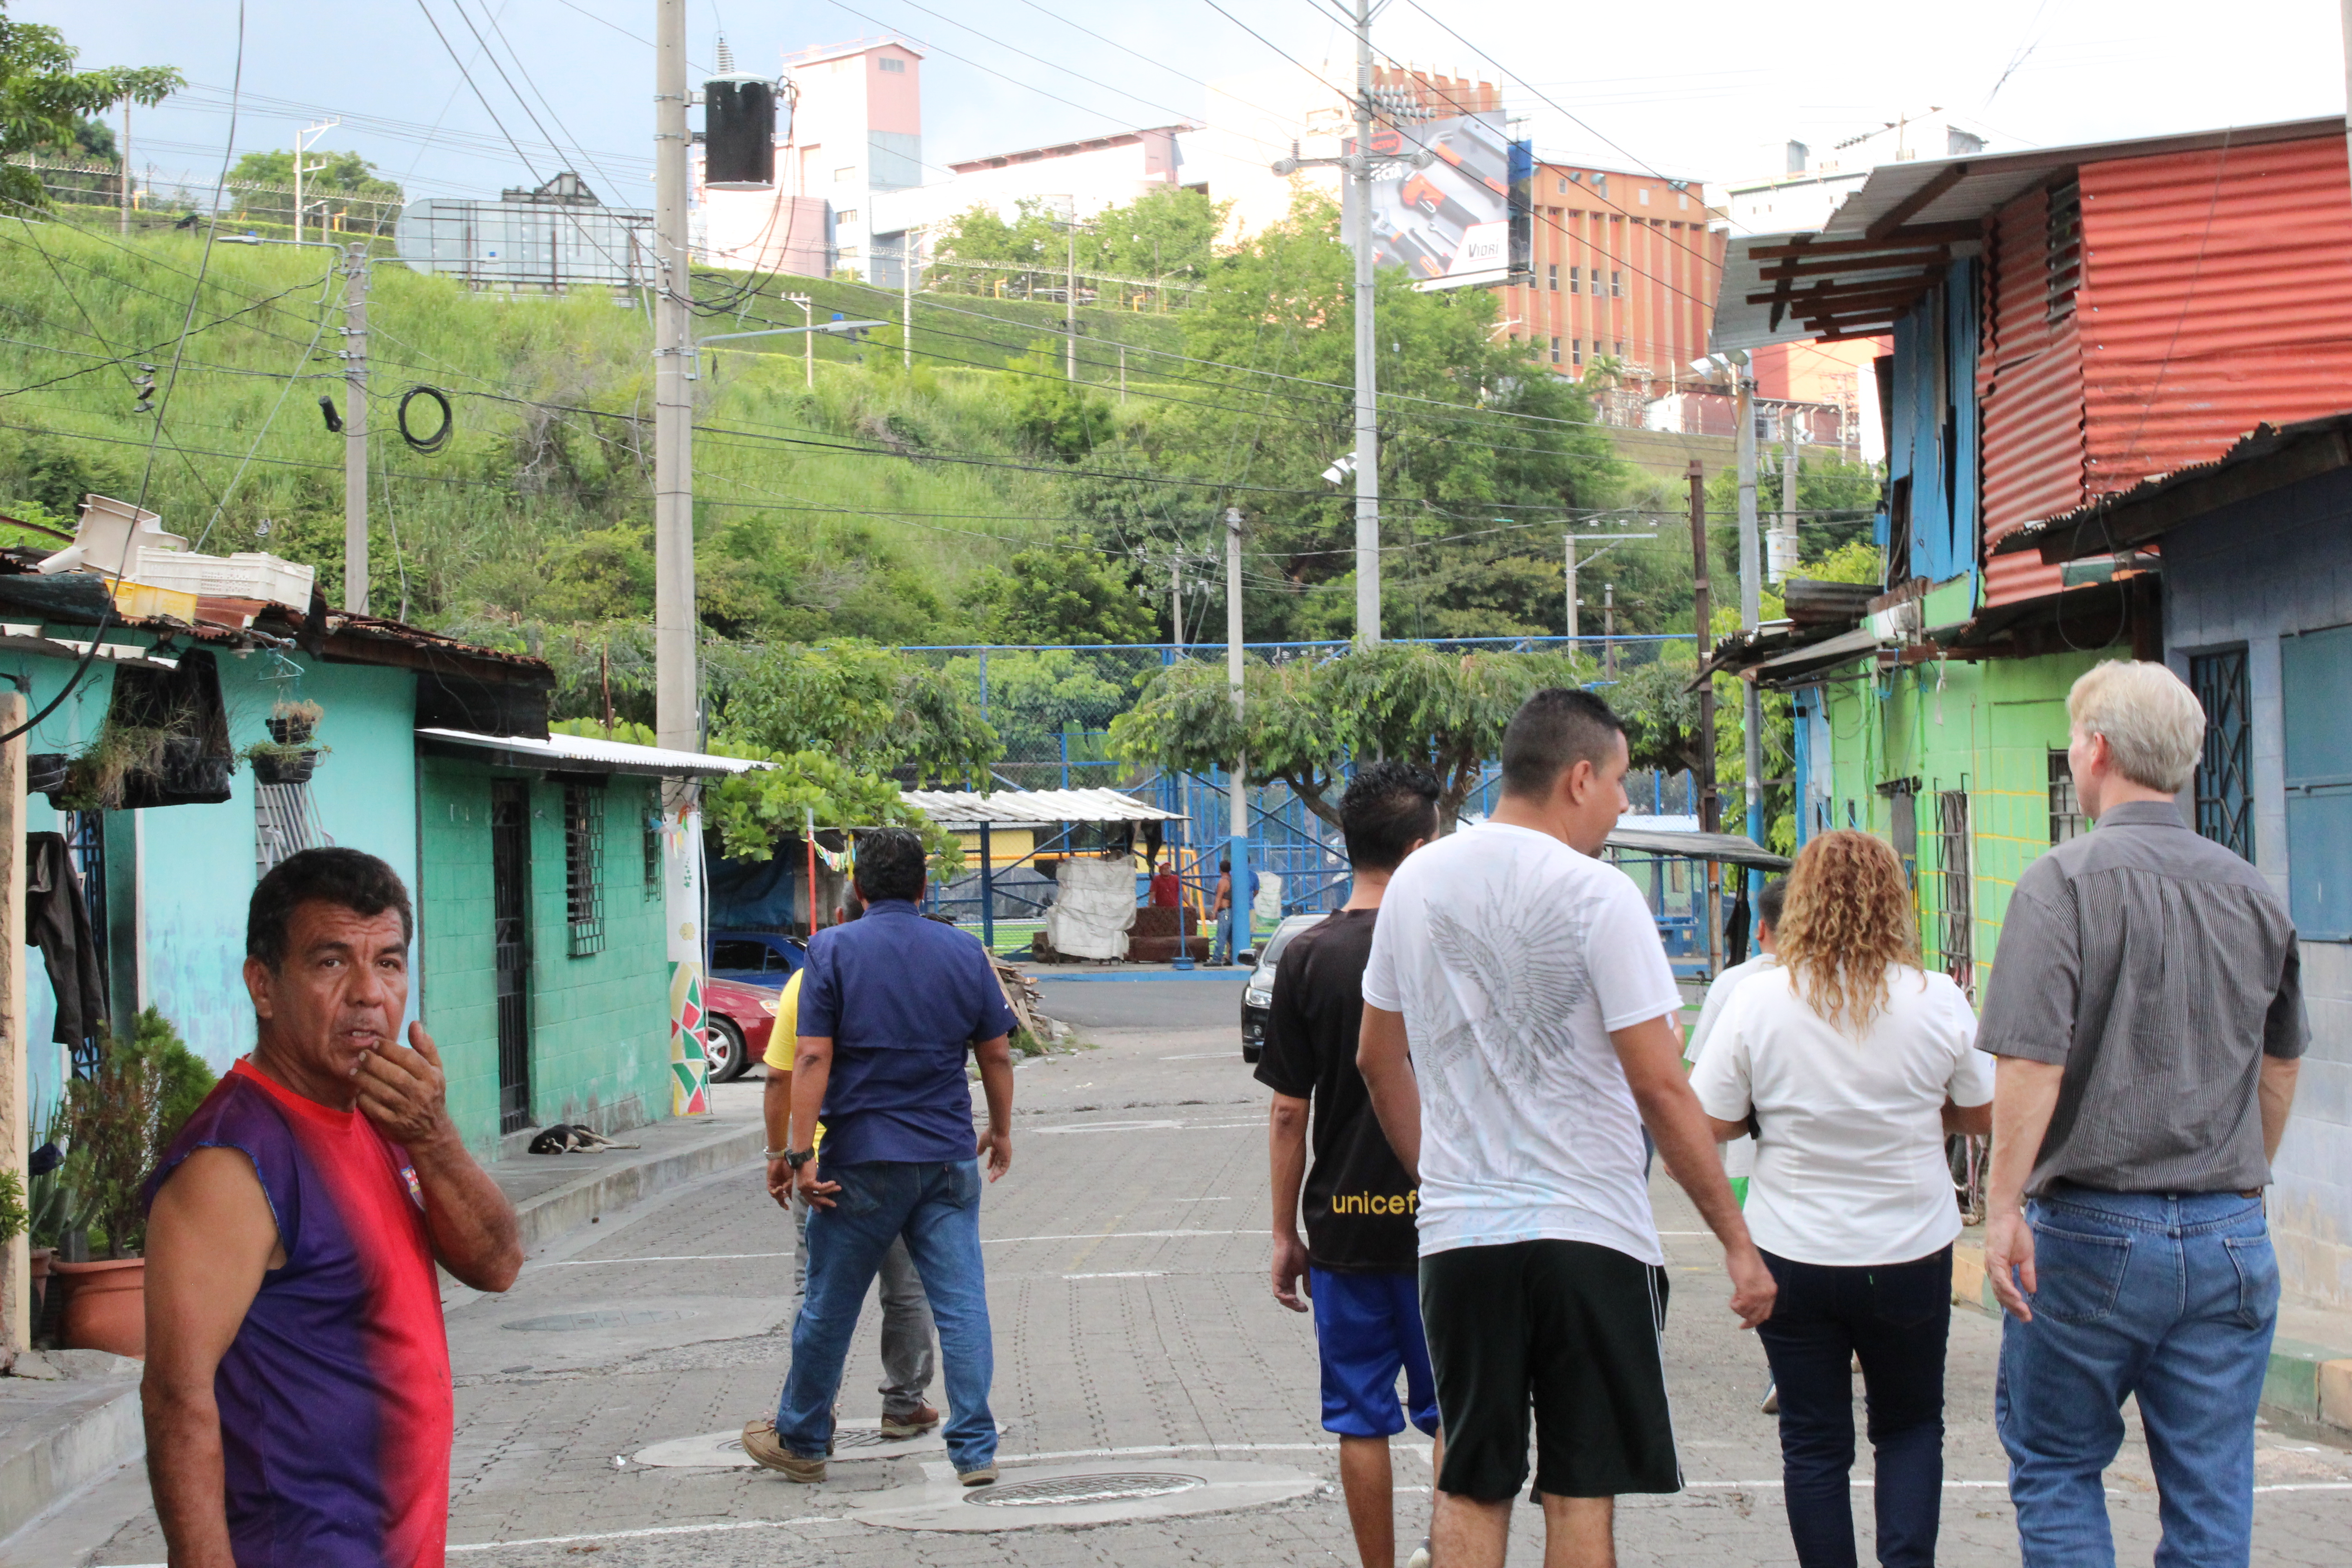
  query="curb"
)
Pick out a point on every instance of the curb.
point(2306, 1382)
point(96, 1433)
point(562, 1209)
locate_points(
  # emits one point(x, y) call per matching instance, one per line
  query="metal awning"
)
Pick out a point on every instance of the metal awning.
point(1724, 848)
point(587, 754)
point(1031, 808)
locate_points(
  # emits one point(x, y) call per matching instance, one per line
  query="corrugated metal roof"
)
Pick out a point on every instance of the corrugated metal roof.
point(1987, 182)
point(1726, 849)
point(584, 754)
point(1742, 322)
point(1031, 808)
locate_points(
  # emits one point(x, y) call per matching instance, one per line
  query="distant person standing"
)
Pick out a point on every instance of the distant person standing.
point(890, 1007)
point(2146, 1004)
point(1739, 1155)
point(1520, 1032)
point(1852, 1063)
point(1361, 1255)
point(1222, 908)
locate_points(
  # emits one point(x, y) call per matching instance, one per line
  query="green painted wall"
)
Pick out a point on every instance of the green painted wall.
point(600, 1023)
point(1987, 729)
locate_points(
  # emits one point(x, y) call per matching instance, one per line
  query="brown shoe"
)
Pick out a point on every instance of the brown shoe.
point(914, 1424)
point(767, 1451)
point(984, 1476)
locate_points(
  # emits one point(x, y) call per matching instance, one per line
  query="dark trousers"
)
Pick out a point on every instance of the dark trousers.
point(1896, 1318)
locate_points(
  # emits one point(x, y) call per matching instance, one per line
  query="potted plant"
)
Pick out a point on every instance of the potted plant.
point(46, 771)
point(293, 724)
point(119, 1124)
point(277, 763)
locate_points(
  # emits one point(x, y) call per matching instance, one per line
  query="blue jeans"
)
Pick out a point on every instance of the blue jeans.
point(2168, 1297)
point(935, 1208)
point(1896, 1317)
point(1221, 950)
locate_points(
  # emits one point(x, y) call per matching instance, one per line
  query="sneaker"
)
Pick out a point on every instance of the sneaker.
point(914, 1424)
point(1771, 1404)
point(1419, 1558)
point(984, 1476)
point(767, 1451)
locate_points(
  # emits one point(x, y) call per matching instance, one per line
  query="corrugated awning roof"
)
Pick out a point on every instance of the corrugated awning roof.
point(1031, 808)
point(587, 754)
point(1725, 848)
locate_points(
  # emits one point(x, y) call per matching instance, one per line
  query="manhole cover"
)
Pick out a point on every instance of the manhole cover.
point(1063, 1490)
point(614, 1317)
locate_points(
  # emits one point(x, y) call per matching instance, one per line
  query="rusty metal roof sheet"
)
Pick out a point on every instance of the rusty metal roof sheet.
point(1031, 808)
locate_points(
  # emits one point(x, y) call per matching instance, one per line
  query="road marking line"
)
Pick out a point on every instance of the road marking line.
point(1128, 1274)
point(1114, 1236)
point(685, 1257)
point(1202, 1056)
point(1109, 1127)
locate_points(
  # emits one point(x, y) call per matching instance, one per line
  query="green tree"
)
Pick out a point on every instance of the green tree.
point(369, 195)
point(751, 811)
point(1069, 596)
point(1052, 417)
point(44, 100)
point(873, 709)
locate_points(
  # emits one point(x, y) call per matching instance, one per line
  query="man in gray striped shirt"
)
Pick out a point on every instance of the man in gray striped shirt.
point(2148, 1013)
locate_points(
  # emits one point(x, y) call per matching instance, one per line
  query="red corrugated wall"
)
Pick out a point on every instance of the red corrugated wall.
point(2030, 391)
point(2217, 296)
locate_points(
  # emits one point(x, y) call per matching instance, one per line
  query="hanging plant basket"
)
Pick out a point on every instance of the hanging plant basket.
point(44, 772)
point(275, 767)
point(293, 724)
point(189, 768)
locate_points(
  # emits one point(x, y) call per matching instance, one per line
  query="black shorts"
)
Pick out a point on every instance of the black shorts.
point(1573, 1326)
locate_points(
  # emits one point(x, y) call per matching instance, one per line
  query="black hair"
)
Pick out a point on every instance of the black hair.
point(1769, 901)
point(1553, 730)
point(1225, 865)
point(348, 879)
point(1388, 806)
point(889, 866)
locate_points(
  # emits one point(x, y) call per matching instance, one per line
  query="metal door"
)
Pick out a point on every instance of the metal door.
point(510, 939)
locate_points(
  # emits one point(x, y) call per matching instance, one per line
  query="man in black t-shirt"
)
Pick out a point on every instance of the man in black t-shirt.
point(1361, 1254)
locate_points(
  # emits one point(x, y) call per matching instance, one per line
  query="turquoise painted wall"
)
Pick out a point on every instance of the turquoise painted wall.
point(1987, 729)
point(600, 1023)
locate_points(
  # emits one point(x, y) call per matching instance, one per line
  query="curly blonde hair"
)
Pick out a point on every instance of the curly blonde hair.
point(1848, 917)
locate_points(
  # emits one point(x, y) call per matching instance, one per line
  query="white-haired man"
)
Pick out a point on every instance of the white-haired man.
point(2147, 1009)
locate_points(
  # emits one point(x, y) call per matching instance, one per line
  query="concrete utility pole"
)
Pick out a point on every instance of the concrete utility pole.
point(1070, 298)
point(1609, 630)
point(675, 709)
point(808, 339)
point(906, 297)
point(355, 430)
point(1237, 799)
point(1367, 424)
point(1751, 601)
point(126, 160)
point(1568, 551)
point(1176, 600)
point(1710, 807)
point(1782, 555)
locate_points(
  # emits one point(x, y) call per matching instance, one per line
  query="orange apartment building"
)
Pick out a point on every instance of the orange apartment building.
point(1625, 266)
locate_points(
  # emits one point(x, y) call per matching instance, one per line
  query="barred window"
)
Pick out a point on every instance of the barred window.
point(653, 855)
point(583, 867)
point(2225, 804)
point(2065, 806)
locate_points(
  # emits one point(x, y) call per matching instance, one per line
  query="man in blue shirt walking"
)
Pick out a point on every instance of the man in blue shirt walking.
point(888, 1007)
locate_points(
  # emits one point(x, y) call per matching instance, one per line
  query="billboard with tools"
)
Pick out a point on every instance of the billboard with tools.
point(1452, 222)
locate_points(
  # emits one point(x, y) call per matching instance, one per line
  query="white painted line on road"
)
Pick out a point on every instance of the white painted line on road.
point(1114, 1236)
point(684, 1258)
point(1111, 1127)
point(1198, 1056)
point(1126, 1274)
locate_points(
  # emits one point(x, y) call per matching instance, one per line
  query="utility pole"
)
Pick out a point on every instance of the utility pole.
point(1710, 808)
point(1751, 602)
point(808, 336)
point(906, 297)
point(312, 130)
point(1070, 298)
point(126, 159)
point(674, 708)
point(1782, 554)
point(1176, 600)
point(355, 424)
point(1237, 799)
point(1609, 630)
point(1368, 427)
point(1568, 551)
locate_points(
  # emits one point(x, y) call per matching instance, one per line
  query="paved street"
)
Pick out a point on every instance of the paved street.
point(1133, 1324)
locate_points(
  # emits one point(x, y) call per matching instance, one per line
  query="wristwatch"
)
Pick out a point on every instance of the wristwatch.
point(796, 1158)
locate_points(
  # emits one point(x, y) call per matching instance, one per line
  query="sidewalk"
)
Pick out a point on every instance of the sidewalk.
point(2310, 1381)
point(60, 1438)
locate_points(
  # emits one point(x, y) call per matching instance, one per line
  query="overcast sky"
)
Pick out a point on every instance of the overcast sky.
point(1696, 90)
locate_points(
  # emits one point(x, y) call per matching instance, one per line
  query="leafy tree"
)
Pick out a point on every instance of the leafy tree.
point(44, 100)
point(758, 574)
point(1061, 596)
point(751, 811)
point(336, 175)
point(1056, 417)
point(1168, 232)
point(873, 710)
point(1836, 498)
point(1303, 720)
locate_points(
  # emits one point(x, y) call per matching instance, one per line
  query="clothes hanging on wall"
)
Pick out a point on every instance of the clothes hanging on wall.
point(56, 920)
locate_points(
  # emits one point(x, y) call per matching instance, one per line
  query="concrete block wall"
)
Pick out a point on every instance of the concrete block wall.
point(2247, 573)
point(455, 961)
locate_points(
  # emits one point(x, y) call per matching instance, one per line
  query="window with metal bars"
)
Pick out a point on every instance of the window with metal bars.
point(1959, 887)
point(2225, 795)
point(2065, 806)
point(583, 867)
point(2061, 251)
point(653, 824)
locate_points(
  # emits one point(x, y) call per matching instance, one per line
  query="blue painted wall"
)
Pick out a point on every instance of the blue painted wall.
point(1935, 418)
point(2250, 573)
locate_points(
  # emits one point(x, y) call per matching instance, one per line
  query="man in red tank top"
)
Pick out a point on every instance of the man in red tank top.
point(297, 1393)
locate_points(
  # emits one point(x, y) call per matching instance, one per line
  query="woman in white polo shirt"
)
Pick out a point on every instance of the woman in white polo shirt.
point(1853, 1064)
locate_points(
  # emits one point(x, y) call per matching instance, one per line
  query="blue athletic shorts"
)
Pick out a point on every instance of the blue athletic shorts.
point(1368, 1329)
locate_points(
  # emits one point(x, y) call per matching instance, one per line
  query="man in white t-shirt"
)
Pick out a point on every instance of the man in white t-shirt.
point(1518, 1034)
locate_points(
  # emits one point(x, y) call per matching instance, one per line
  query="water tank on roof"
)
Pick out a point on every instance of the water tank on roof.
point(738, 133)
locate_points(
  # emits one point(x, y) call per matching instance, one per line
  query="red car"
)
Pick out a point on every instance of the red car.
point(741, 1016)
